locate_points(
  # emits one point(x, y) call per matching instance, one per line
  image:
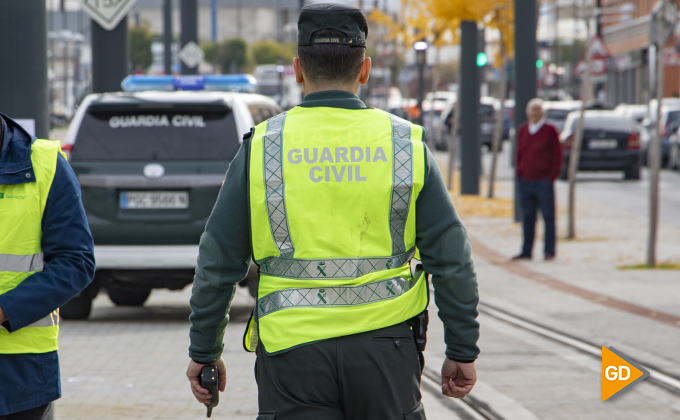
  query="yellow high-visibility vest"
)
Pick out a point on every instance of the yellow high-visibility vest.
point(332, 206)
point(21, 210)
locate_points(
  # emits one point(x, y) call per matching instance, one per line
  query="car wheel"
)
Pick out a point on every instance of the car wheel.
point(128, 296)
point(77, 308)
point(632, 173)
point(80, 306)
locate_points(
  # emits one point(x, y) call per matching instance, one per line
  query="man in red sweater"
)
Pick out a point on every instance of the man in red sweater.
point(539, 159)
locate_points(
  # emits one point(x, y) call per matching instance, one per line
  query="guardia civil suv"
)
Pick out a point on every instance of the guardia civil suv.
point(150, 165)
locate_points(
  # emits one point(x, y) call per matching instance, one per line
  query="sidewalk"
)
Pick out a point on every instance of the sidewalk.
point(584, 293)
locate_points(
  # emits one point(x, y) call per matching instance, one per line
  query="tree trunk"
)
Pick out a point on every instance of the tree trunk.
point(498, 130)
point(577, 140)
point(654, 160)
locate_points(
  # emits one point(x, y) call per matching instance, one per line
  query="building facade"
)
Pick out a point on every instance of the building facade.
point(625, 32)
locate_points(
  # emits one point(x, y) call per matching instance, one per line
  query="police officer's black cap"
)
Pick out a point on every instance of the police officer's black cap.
point(347, 19)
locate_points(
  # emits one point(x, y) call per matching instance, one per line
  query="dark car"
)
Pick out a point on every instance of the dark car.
point(610, 142)
point(150, 166)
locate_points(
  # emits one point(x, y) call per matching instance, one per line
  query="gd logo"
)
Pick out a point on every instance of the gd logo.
point(618, 372)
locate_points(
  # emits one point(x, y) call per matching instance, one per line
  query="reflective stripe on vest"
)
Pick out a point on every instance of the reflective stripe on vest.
point(402, 175)
point(22, 207)
point(21, 263)
point(273, 178)
point(334, 268)
point(333, 296)
point(355, 194)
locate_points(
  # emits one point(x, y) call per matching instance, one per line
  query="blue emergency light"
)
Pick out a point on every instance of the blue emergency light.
point(221, 82)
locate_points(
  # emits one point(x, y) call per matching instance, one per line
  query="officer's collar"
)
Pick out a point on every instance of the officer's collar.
point(333, 99)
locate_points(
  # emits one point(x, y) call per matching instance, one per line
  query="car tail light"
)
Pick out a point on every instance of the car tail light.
point(567, 142)
point(633, 141)
point(67, 149)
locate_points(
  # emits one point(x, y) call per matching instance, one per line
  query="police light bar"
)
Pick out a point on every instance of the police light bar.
point(222, 82)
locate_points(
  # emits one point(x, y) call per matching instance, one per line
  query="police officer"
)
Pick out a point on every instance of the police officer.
point(46, 258)
point(330, 200)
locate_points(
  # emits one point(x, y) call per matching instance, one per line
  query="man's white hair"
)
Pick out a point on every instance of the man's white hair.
point(534, 101)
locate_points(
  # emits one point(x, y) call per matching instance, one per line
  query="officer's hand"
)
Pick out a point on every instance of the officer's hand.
point(458, 378)
point(194, 375)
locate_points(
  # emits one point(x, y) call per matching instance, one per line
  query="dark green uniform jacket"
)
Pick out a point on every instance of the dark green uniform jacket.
point(225, 252)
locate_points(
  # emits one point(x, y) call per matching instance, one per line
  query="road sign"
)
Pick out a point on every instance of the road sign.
point(596, 46)
point(107, 13)
point(191, 54)
point(662, 22)
point(598, 65)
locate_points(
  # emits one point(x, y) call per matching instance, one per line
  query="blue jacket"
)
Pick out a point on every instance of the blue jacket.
point(31, 380)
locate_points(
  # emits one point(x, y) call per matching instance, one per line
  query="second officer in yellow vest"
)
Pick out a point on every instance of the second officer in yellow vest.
point(331, 199)
point(46, 258)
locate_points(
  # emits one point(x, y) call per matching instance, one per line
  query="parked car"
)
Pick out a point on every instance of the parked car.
point(669, 123)
point(674, 150)
point(556, 111)
point(610, 142)
point(150, 165)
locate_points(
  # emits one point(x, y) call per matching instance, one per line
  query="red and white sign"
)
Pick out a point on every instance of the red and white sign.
point(598, 56)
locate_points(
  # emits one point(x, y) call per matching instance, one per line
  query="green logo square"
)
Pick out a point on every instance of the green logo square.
point(2, 195)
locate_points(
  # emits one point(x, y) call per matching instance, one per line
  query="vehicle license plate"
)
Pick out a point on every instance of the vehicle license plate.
point(154, 200)
point(603, 144)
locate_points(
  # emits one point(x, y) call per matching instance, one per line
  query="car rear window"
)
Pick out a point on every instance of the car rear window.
point(147, 133)
point(673, 116)
point(605, 123)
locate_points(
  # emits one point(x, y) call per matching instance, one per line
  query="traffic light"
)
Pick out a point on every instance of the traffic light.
point(539, 63)
point(482, 59)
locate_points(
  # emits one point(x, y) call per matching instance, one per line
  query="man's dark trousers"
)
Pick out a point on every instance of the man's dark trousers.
point(535, 195)
point(369, 376)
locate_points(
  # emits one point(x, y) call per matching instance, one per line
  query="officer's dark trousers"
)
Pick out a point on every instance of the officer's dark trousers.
point(368, 376)
point(535, 195)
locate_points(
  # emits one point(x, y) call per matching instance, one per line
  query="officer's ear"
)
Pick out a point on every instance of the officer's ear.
point(365, 70)
point(299, 77)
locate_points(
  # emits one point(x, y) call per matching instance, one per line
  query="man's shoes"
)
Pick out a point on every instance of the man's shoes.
point(549, 256)
point(521, 257)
